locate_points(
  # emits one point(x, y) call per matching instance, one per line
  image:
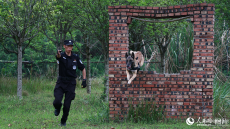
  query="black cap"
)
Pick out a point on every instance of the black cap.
point(68, 42)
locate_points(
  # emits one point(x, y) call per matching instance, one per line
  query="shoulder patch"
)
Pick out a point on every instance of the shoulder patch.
point(80, 61)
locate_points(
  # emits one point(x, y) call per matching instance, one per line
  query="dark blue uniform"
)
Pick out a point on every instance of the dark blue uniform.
point(66, 82)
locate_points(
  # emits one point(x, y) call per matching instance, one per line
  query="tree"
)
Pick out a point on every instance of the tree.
point(20, 20)
point(97, 16)
point(59, 16)
point(86, 40)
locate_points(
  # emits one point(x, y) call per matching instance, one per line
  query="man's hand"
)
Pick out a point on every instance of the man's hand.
point(83, 84)
point(58, 53)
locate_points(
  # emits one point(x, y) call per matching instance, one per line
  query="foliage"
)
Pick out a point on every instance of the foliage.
point(19, 23)
point(222, 11)
point(60, 15)
point(146, 112)
point(180, 52)
point(93, 16)
point(221, 93)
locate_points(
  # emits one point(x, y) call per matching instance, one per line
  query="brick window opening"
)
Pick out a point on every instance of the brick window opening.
point(170, 52)
point(188, 93)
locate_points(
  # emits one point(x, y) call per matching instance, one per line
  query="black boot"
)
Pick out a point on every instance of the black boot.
point(63, 124)
point(57, 111)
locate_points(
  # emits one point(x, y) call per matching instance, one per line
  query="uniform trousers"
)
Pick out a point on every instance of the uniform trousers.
point(64, 87)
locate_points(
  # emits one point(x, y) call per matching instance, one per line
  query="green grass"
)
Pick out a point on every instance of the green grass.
point(221, 93)
point(36, 111)
point(29, 86)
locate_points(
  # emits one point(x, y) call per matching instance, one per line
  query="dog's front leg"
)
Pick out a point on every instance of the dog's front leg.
point(134, 75)
point(128, 75)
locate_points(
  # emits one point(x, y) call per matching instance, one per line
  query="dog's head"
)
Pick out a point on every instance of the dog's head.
point(130, 63)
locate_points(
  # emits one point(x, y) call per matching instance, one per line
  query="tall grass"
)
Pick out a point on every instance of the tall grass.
point(145, 112)
point(221, 99)
point(180, 50)
point(8, 85)
point(33, 85)
point(87, 110)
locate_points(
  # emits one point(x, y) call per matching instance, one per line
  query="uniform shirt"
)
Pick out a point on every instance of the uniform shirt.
point(68, 65)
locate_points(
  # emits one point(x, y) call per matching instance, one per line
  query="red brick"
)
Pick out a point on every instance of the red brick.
point(171, 14)
point(177, 7)
point(128, 6)
point(190, 5)
point(196, 5)
point(147, 11)
point(183, 6)
point(199, 76)
point(153, 15)
point(123, 10)
point(142, 7)
point(164, 15)
point(129, 14)
point(170, 7)
point(190, 13)
point(149, 7)
point(123, 6)
point(135, 14)
point(161, 75)
point(203, 4)
point(212, 5)
point(111, 7)
point(155, 7)
point(158, 15)
point(196, 12)
point(210, 12)
point(154, 89)
point(184, 13)
point(117, 6)
point(123, 13)
point(117, 13)
point(180, 83)
point(177, 14)
point(167, 82)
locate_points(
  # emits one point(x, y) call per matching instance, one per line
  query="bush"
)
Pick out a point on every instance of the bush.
point(221, 90)
point(145, 112)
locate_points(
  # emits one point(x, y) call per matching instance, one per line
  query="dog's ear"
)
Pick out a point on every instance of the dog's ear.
point(132, 55)
point(126, 55)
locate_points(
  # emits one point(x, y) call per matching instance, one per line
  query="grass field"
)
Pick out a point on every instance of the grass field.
point(36, 111)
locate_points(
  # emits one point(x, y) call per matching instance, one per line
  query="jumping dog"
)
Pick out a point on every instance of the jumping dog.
point(134, 61)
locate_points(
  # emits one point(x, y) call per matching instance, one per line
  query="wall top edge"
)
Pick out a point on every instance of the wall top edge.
point(169, 7)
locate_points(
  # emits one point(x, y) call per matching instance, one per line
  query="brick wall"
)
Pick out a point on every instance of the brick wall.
point(188, 93)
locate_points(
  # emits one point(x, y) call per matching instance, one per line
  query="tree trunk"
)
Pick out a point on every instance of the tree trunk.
point(19, 82)
point(88, 73)
point(58, 48)
point(163, 62)
point(106, 89)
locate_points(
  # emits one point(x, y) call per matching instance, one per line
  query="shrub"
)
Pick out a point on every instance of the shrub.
point(147, 112)
point(221, 90)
